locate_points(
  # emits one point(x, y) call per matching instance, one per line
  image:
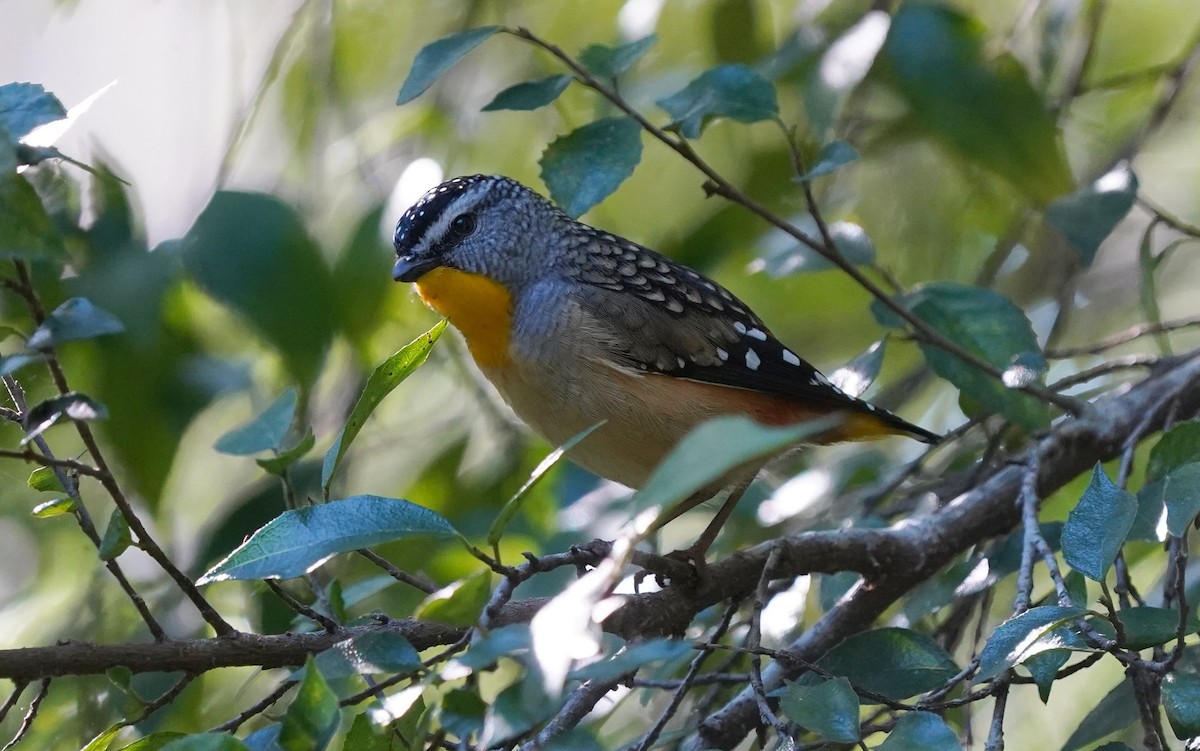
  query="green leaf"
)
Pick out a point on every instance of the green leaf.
point(250, 251)
point(278, 465)
point(266, 431)
point(46, 479)
point(707, 453)
point(895, 662)
point(1016, 639)
point(920, 731)
point(989, 326)
point(1043, 667)
point(1179, 492)
point(529, 95)
point(117, 538)
point(1097, 526)
point(25, 106)
point(312, 718)
point(102, 741)
point(75, 319)
point(436, 58)
point(1181, 700)
point(834, 155)
point(154, 742)
point(387, 376)
point(583, 167)
point(977, 103)
point(1146, 626)
point(13, 363)
point(207, 742)
point(1116, 711)
point(734, 91)
point(369, 654)
point(506, 641)
point(57, 507)
point(781, 255)
point(856, 376)
point(829, 708)
point(603, 61)
point(72, 406)
point(639, 655)
point(1090, 214)
point(26, 230)
point(463, 712)
point(458, 604)
point(496, 531)
point(363, 736)
point(1178, 446)
point(298, 541)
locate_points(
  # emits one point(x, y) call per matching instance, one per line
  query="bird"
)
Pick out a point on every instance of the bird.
point(576, 326)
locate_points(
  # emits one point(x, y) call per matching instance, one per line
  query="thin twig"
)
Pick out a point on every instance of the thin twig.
point(259, 707)
point(30, 714)
point(1124, 337)
point(753, 640)
point(416, 582)
point(331, 626)
point(13, 698)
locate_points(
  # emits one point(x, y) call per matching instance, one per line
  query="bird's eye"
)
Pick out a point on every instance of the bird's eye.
point(461, 226)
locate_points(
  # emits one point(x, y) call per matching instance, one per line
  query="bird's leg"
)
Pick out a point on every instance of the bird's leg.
point(695, 552)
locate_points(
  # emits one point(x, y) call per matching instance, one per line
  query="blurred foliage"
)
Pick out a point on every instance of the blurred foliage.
point(1019, 174)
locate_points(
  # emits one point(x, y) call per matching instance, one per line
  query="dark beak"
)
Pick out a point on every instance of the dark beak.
point(410, 269)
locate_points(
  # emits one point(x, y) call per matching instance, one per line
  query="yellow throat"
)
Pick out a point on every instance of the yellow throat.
point(477, 306)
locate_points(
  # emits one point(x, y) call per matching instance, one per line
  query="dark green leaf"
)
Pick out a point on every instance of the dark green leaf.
point(264, 432)
point(75, 319)
point(829, 708)
point(363, 736)
point(1179, 492)
point(979, 104)
point(1147, 627)
point(583, 167)
point(386, 377)
point(1181, 700)
point(989, 326)
point(298, 541)
point(25, 106)
point(57, 507)
point(1044, 667)
point(1116, 711)
point(834, 155)
point(1179, 445)
point(462, 713)
point(1090, 214)
point(251, 252)
point(1015, 639)
point(72, 406)
point(856, 376)
point(278, 465)
point(505, 641)
point(116, 537)
point(312, 718)
point(207, 742)
point(458, 604)
point(26, 230)
point(1097, 526)
point(369, 654)
point(435, 58)
point(715, 447)
point(781, 255)
point(603, 61)
point(361, 288)
point(496, 531)
point(529, 95)
point(639, 655)
point(733, 91)
point(921, 731)
point(895, 662)
point(46, 479)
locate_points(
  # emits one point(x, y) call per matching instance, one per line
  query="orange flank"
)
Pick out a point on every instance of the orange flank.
point(477, 306)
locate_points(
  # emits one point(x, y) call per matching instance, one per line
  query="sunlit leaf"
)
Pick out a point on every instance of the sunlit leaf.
point(298, 541)
point(1087, 216)
point(435, 58)
point(458, 604)
point(57, 507)
point(1012, 640)
point(387, 376)
point(76, 318)
point(25, 106)
point(529, 95)
point(734, 91)
point(45, 479)
point(1097, 526)
point(117, 538)
point(266, 431)
point(856, 376)
point(71, 406)
point(583, 167)
point(312, 718)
